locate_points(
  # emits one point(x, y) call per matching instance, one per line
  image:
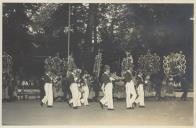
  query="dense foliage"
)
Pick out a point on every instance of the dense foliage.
point(31, 32)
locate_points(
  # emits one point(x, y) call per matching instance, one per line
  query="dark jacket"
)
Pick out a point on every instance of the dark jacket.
point(105, 78)
point(128, 77)
point(47, 79)
point(139, 81)
point(71, 79)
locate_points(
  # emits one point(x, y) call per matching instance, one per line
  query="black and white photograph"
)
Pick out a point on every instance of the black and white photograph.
point(119, 64)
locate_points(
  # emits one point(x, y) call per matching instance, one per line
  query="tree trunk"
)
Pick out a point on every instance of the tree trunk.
point(90, 32)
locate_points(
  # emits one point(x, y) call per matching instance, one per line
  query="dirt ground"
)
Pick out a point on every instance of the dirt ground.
point(169, 112)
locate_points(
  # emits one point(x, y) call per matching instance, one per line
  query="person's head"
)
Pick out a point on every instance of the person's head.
point(85, 72)
point(171, 79)
point(148, 77)
point(74, 71)
point(48, 72)
point(58, 54)
point(140, 74)
point(107, 68)
point(127, 53)
point(139, 79)
point(78, 71)
point(128, 70)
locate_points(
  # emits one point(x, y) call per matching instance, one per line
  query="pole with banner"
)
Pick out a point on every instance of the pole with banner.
point(68, 39)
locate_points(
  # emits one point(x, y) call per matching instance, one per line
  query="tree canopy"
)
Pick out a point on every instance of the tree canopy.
point(34, 30)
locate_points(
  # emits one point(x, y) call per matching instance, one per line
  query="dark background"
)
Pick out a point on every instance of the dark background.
point(112, 28)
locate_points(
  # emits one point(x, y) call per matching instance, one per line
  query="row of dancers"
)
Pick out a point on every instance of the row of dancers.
point(79, 87)
point(134, 89)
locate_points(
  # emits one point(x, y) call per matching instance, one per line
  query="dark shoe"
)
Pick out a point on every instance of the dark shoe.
point(41, 103)
point(134, 104)
point(130, 108)
point(70, 104)
point(95, 99)
point(75, 107)
point(49, 106)
point(110, 109)
point(101, 104)
point(157, 98)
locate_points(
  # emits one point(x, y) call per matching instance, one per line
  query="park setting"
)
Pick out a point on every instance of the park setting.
point(97, 64)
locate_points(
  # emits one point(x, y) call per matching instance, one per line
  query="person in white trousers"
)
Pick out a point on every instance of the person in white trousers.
point(74, 88)
point(140, 91)
point(48, 98)
point(75, 96)
point(130, 90)
point(107, 87)
point(85, 89)
point(85, 95)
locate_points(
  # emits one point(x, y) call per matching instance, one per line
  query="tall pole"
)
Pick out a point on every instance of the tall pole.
point(69, 28)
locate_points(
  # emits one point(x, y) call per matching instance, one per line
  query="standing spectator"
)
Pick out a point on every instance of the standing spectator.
point(42, 93)
point(164, 88)
point(11, 88)
point(96, 88)
point(64, 87)
point(157, 86)
point(185, 88)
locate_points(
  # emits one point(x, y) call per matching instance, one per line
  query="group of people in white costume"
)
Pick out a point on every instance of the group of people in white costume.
point(79, 86)
point(134, 89)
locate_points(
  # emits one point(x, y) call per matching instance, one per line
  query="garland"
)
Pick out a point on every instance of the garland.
point(7, 69)
point(127, 64)
point(149, 63)
point(7, 63)
point(97, 64)
point(174, 64)
point(71, 64)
